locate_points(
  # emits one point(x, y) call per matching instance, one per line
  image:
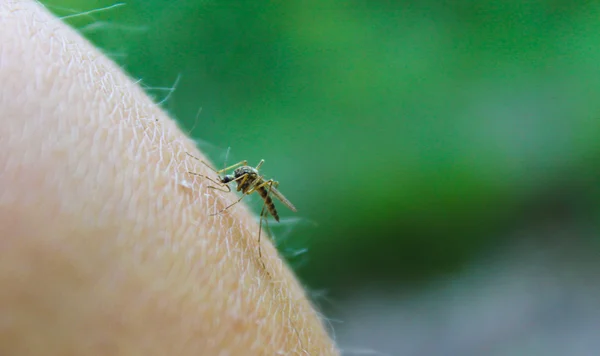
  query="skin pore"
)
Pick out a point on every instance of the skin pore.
point(106, 243)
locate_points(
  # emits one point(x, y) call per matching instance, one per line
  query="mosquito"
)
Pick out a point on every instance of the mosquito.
point(248, 181)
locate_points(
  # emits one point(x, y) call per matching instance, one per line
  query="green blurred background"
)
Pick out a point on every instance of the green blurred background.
point(412, 136)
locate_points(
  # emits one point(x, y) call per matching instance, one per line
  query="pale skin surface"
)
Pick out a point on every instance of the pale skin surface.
point(106, 244)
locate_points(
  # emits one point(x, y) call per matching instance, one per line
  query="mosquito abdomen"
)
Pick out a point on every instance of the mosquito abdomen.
point(264, 193)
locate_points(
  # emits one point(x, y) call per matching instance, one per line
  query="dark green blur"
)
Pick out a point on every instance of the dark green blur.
point(411, 135)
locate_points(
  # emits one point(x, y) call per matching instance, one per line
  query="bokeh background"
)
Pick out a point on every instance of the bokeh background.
point(443, 156)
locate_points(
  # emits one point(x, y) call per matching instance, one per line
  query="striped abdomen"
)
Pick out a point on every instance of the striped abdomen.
point(264, 193)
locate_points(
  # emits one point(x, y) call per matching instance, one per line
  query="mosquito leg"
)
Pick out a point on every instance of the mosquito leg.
point(215, 182)
point(207, 177)
point(269, 182)
point(226, 185)
point(267, 228)
point(239, 200)
point(194, 157)
point(227, 190)
point(243, 180)
point(262, 216)
point(219, 189)
point(229, 206)
point(242, 163)
point(259, 164)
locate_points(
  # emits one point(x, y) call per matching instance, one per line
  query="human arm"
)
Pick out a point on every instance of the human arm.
point(106, 243)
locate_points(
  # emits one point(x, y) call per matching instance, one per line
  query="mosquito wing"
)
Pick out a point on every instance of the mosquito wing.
point(277, 194)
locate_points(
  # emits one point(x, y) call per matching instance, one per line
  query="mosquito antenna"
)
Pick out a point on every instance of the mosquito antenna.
point(263, 213)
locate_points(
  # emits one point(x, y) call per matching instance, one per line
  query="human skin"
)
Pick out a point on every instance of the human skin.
point(107, 246)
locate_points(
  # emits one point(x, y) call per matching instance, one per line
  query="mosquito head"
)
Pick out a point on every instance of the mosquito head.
point(226, 179)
